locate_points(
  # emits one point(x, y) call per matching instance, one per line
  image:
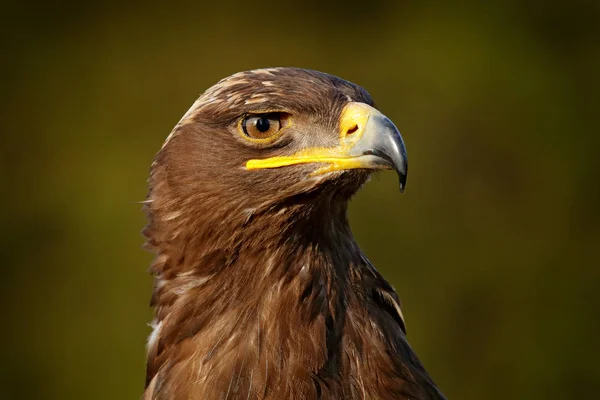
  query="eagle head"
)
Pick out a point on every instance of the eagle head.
point(274, 136)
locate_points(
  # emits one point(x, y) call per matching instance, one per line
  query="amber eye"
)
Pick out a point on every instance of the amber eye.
point(262, 126)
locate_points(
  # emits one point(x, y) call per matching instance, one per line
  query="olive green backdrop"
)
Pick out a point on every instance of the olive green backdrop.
point(493, 248)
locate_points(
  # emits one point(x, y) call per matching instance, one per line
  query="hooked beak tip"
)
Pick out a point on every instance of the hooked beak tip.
point(402, 183)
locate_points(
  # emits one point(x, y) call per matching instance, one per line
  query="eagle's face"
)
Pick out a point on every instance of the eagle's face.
point(261, 136)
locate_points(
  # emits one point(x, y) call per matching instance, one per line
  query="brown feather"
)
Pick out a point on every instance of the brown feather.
point(261, 291)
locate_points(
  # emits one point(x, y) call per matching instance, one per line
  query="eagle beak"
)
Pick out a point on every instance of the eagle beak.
point(368, 140)
point(380, 145)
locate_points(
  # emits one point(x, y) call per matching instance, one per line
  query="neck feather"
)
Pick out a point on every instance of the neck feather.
point(235, 277)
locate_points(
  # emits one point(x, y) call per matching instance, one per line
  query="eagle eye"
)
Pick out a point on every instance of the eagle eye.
point(263, 126)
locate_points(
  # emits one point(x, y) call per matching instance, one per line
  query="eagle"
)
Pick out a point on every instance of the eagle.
point(261, 291)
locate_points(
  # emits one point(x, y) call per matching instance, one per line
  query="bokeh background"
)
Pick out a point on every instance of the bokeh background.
point(493, 248)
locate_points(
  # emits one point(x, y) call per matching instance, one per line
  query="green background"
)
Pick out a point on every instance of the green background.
point(493, 247)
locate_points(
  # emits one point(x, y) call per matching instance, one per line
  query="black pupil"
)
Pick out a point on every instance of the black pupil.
point(263, 124)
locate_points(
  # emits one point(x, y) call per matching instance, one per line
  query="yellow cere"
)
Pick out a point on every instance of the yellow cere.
point(353, 120)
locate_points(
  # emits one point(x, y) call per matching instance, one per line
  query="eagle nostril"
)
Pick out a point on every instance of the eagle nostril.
point(352, 129)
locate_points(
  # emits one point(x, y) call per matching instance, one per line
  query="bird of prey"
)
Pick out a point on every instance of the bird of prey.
point(261, 291)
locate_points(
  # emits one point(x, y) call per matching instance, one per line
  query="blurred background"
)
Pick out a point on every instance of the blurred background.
point(493, 248)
